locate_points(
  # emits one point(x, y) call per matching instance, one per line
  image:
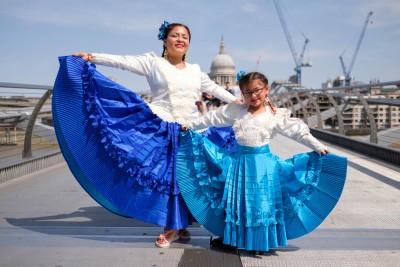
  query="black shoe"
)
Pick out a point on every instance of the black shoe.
point(219, 243)
point(216, 242)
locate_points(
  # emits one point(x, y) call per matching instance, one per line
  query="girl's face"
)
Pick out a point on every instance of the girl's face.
point(177, 42)
point(255, 93)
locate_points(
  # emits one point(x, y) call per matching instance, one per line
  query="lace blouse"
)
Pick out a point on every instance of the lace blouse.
point(255, 131)
point(174, 91)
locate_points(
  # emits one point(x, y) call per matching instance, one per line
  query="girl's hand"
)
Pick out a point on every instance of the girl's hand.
point(84, 56)
point(324, 151)
point(238, 102)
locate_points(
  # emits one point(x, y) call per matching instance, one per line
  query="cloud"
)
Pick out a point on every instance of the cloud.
point(249, 7)
point(387, 7)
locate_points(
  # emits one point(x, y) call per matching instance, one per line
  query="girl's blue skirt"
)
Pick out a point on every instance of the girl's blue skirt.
point(251, 197)
point(121, 153)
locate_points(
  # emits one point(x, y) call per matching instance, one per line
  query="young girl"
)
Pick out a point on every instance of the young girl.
point(251, 197)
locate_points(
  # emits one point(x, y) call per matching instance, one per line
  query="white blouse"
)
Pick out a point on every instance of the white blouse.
point(174, 91)
point(255, 131)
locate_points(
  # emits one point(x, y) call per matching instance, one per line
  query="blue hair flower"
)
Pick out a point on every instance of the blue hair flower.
point(161, 34)
point(240, 75)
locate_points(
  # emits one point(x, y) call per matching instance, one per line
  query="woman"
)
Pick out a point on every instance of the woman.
point(141, 138)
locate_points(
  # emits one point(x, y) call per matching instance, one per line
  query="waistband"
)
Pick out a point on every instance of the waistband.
point(253, 150)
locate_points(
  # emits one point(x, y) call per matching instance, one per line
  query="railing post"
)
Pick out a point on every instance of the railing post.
point(286, 104)
point(374, 132)
point(283, 101)
point(27, 152)
point(303, 108)
point(275, 100)
point(337, 111)
point(291, 106)
point(317, 110)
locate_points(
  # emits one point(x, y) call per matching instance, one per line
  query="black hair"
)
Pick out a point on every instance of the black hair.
point(247, 78)
point(169, 29)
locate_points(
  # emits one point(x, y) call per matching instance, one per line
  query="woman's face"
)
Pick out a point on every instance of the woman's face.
point(177, 42)
point(255, 93)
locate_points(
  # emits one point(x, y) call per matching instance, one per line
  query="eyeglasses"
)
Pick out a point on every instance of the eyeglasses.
point(256, 92)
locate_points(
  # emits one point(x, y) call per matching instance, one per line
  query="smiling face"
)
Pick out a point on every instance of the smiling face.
point(177, 42)
point(255, 92)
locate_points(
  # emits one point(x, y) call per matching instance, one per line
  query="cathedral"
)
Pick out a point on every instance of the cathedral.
point(223, 68)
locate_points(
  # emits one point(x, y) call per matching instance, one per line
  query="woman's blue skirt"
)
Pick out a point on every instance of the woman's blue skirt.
point(251, 197)
point(121, 153)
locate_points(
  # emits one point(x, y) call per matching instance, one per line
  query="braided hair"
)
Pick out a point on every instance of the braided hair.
point(247, 78)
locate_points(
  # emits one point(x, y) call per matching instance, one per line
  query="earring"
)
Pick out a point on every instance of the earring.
point(165, 54)
point(185, 58)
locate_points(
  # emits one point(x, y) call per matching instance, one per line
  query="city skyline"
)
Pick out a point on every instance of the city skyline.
point(35, 33)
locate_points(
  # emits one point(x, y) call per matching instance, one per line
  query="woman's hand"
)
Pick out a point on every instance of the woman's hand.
point(84, 56)
point(238, 102)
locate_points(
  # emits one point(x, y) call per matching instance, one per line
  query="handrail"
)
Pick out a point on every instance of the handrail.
point(26, 86)
point(341, 88)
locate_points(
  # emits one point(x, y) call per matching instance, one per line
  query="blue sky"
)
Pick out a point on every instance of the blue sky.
point(34, 33)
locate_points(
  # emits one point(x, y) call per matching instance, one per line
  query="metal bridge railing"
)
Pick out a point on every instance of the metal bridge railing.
point(312, 105)
point(26, 142)
point(38, 140)
point(317, 106)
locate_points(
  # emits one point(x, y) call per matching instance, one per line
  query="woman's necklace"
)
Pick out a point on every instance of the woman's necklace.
point(179, 64)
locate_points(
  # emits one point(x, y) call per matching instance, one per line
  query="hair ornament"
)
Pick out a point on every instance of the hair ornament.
point(161, 34)
point(240, 75)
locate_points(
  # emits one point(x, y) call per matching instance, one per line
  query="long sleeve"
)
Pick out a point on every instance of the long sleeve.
point(297, 129)
point(219, 118)
point(210, 87)
point(140, 64)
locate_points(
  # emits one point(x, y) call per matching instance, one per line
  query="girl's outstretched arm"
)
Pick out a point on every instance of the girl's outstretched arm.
point(297, 129)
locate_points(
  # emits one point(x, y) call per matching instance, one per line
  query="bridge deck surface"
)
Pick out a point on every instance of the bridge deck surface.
point(48, 220)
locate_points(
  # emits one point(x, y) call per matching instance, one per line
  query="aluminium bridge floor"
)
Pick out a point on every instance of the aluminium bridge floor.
point(46, 219)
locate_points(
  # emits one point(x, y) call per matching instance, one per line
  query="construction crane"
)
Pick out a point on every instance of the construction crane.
point(297, 60)
point(347, 72)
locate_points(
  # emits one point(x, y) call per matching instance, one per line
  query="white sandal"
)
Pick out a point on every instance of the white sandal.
point(166, 243)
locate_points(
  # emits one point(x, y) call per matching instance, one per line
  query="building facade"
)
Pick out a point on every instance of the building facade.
point(385, 116)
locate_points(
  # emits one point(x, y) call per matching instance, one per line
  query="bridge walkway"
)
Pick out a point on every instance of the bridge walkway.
point(48, 220)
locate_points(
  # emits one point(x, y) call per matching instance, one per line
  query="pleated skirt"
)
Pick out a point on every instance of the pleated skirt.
point(251, 197)
point(120, 152)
